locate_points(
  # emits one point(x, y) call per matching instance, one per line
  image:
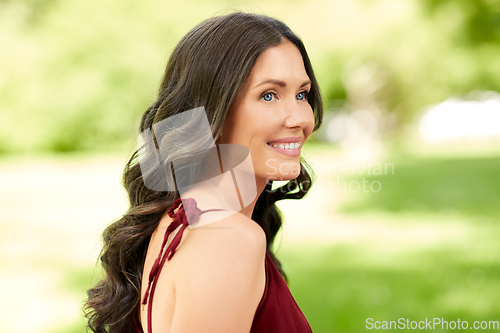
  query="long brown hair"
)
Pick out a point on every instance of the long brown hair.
point(208, 67)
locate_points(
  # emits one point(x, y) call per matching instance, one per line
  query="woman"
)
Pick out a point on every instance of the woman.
point(253, 77)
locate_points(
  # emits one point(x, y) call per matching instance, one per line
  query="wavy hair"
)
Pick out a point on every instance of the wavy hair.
point(208, 67)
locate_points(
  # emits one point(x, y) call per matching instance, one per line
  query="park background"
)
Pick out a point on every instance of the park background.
point(411, 93)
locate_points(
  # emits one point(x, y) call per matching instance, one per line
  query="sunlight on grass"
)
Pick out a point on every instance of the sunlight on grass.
point(338, 287)
point(424, 246)
point(469, 186)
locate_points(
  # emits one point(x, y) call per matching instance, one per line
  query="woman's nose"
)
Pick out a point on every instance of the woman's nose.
point(298, 114)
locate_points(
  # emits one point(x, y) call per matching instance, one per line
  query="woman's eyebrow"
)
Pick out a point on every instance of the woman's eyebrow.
point(281, 83)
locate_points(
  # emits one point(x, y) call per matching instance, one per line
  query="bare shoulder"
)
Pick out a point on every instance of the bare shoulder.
point(237, 242)
point(237, 233)
point(222, 277)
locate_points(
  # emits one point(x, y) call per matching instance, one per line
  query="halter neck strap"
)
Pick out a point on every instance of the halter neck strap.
point(189, 211)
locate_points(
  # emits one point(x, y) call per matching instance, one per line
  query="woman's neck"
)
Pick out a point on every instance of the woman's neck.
point(221, 193)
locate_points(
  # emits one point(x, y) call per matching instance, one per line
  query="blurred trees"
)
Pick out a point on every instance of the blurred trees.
point(444, 48)
point(78, 75)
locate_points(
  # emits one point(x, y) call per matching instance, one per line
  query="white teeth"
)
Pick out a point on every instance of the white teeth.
point(291, 145)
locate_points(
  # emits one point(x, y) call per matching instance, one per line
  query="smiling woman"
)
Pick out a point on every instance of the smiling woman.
point(252, 76)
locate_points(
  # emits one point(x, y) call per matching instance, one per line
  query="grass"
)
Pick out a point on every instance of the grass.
point(339, 286)
point(468, 186)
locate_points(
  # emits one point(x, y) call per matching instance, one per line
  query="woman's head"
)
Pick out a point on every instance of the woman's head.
point(210, 67)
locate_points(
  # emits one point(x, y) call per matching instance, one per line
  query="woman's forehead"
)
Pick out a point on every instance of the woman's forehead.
point(283, 62)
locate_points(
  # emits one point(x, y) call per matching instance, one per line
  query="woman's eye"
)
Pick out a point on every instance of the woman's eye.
point(302, 95)
point(268, 97)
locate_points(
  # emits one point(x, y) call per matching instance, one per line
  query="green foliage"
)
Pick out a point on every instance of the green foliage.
point(78, 76)
point(478, 19)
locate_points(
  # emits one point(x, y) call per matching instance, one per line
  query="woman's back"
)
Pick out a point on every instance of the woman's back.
point(215, 279)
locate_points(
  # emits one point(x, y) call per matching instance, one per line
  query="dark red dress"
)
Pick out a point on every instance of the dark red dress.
point(277, 311)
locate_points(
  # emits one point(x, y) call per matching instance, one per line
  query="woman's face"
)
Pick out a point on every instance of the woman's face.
point(271, 115)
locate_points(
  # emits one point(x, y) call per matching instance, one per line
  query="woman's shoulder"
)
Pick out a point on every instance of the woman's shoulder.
point(231, 238)
point(223, 265)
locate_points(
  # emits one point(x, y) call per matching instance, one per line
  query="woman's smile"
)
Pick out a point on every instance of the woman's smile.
point(290, 146)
